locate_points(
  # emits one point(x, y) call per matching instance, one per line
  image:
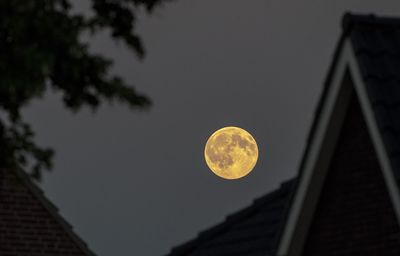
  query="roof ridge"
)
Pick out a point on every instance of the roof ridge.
point(350, 19)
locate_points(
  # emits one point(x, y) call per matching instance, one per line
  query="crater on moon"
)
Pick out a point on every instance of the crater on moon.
point(231, 152)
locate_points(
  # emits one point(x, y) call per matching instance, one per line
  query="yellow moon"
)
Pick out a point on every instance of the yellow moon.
point(231, 152)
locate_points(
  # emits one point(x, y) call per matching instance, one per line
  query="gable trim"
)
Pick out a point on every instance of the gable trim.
point(318, 143)
point(322, 143)
point(376, 137)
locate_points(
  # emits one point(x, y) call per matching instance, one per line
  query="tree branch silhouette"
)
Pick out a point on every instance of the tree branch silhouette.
point(41, 48)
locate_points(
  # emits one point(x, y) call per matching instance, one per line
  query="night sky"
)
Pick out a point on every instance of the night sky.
point(135, 182)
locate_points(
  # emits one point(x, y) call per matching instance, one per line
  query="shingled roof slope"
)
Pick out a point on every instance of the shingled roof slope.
point(253, 231)
point(376, 43)
point(30, 224)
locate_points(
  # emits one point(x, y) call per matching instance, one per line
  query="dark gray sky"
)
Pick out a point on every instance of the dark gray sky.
point(135, 183)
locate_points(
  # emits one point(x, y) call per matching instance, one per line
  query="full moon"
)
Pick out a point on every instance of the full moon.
point(231, 152)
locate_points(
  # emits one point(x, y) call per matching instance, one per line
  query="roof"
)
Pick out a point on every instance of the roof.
point(30, 224)
point(376, 44)
point(252, 231)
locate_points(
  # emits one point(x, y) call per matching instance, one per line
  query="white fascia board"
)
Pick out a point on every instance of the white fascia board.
point(292, 240)
point(376, 136)
point(308, 173)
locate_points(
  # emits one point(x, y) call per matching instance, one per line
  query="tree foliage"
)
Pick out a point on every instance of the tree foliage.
point(41, 48)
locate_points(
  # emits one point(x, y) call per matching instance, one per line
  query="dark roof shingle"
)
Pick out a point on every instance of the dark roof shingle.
point(252, 231)
point(376, 43)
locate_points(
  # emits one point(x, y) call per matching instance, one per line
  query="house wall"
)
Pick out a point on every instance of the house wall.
point(354, 215)
point(27, 228)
